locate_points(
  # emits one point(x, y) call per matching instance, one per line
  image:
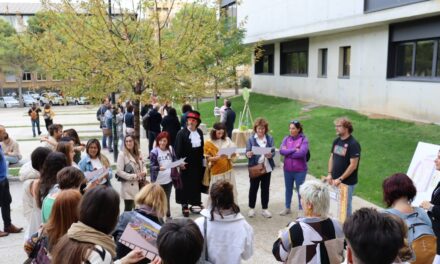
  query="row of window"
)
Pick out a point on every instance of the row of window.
point(294, 59)
point(27, 77)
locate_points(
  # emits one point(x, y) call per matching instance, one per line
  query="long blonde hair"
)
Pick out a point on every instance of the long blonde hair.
point(135, 151)
point(153, 196)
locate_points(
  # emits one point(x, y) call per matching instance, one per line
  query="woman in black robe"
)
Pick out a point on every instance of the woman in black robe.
point(189, 145)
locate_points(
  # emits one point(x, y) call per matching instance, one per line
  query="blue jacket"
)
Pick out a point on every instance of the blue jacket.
point(252, 141)
point(3, 165)
point(85, 165)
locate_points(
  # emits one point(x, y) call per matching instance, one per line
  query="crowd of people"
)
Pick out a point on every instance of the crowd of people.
point(72, 209)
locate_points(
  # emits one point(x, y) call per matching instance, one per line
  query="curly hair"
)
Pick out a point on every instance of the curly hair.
point(222, 197)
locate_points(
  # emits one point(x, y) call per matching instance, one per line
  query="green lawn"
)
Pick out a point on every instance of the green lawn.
point(387, 145)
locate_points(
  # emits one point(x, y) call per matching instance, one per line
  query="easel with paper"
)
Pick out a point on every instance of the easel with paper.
point(246, 119)
point(422, 171)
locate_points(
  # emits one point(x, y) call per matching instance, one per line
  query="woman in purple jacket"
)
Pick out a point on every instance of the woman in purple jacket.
point(294, 148)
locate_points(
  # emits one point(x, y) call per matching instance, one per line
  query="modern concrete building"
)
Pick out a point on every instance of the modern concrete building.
point(376, 56)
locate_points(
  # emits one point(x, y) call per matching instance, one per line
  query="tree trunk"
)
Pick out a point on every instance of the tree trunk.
point(20, 89)
point(236, 80)
point(215, 92)
point(137, 120)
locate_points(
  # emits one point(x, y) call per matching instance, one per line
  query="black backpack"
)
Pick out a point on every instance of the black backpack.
point(145, 120)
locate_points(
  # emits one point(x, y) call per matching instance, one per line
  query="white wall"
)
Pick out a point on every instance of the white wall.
point(279, 19)
point(367, 88)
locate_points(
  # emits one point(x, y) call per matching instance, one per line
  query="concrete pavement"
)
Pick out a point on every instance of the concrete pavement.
point(82, 118)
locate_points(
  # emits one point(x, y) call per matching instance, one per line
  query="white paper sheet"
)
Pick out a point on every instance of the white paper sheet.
point(260, 150)
point(175, 163)
point(227, 151)
point(420, 197)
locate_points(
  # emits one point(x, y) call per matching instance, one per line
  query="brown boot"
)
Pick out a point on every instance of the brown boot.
point(3, 234)
point(13, 229)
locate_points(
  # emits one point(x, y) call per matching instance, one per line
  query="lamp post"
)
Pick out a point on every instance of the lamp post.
point(113, 98)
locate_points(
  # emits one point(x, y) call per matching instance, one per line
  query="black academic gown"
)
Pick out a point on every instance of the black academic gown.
point(192, 176)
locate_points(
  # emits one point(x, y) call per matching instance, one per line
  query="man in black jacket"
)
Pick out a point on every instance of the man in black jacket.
point(154, 119)
point(229, 118)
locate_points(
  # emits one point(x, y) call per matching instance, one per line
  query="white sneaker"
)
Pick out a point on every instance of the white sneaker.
point(266, 213)
point(251, 213)
point(286, 211)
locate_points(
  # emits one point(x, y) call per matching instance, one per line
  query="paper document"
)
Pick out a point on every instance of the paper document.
point(92, 176)
point(227, 151)
point(141, 233)
point(420, 197)
point(176, 163)
point(260, 150)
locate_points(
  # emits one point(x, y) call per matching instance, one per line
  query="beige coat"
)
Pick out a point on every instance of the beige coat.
point(11, 148)
point(129, 187)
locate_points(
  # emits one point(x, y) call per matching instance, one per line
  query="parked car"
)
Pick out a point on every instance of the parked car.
point(34, 95)
point(51, 99)
point(8, 101)
point(28, 100)
point(77, 100)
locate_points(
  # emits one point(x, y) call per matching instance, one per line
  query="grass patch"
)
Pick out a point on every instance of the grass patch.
point(387, 145)
point(14, 171)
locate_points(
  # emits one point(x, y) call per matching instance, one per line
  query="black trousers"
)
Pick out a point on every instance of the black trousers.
point(48, 123)
point(5, 202)
point(167, 188)
point(128, 205)
point(255, 183)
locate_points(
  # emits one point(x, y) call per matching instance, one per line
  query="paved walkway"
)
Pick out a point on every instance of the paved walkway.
point(83, 119)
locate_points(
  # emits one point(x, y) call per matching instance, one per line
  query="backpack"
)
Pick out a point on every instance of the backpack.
point(421, 237)
point(34, 114)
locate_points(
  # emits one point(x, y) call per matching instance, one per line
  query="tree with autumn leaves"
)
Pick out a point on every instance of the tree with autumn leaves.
point(137, 52)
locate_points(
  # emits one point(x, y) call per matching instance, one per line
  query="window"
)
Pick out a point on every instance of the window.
point(404, 59)
point(264, 64)
point(414, 50)
point(322, 62)
point(344, 61)
point(294, 57)
point(416, 59)
point(377, 5)
point(27, 76)
point(229, 11)
point(41, 76)
point(10, 77)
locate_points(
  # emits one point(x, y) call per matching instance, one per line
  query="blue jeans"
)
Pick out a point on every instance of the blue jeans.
point(36, 123)
point(350, 198)
point(12, 159)
point(104, 141)
point(291, 177)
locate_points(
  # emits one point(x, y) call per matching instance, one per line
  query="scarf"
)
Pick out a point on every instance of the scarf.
point(194, 136)
point(84, 233)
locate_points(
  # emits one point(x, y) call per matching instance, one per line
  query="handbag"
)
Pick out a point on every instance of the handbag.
point(39, 252)
point(107, 131)
point(128, 169)
point(257, 170)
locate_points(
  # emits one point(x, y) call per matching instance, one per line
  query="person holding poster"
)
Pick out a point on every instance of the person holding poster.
point(151, 202)
point(89, 240)
point(433, 208)
point(344, 159)
point(189, 145)
point(220, 166)
point(298, 243)
point(294, 148)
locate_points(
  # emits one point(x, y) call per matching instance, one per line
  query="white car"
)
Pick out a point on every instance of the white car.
point(77, 101)
point(32, 94)
point(51, 99)
point(8, 101)
point(28, 100)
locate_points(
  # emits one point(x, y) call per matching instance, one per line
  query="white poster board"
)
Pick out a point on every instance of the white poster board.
point(422, 171)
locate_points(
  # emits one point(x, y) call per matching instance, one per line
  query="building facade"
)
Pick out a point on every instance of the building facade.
point(374, 56)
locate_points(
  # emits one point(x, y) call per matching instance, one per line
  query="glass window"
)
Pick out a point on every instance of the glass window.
point(10, 77)
point(264, 64)
point(322, 62)
point(27, 76)
point(424, 54)
point(346, 61)
point(41, 76)
point(404, 58)
point(438, 59)
point(295, 63)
